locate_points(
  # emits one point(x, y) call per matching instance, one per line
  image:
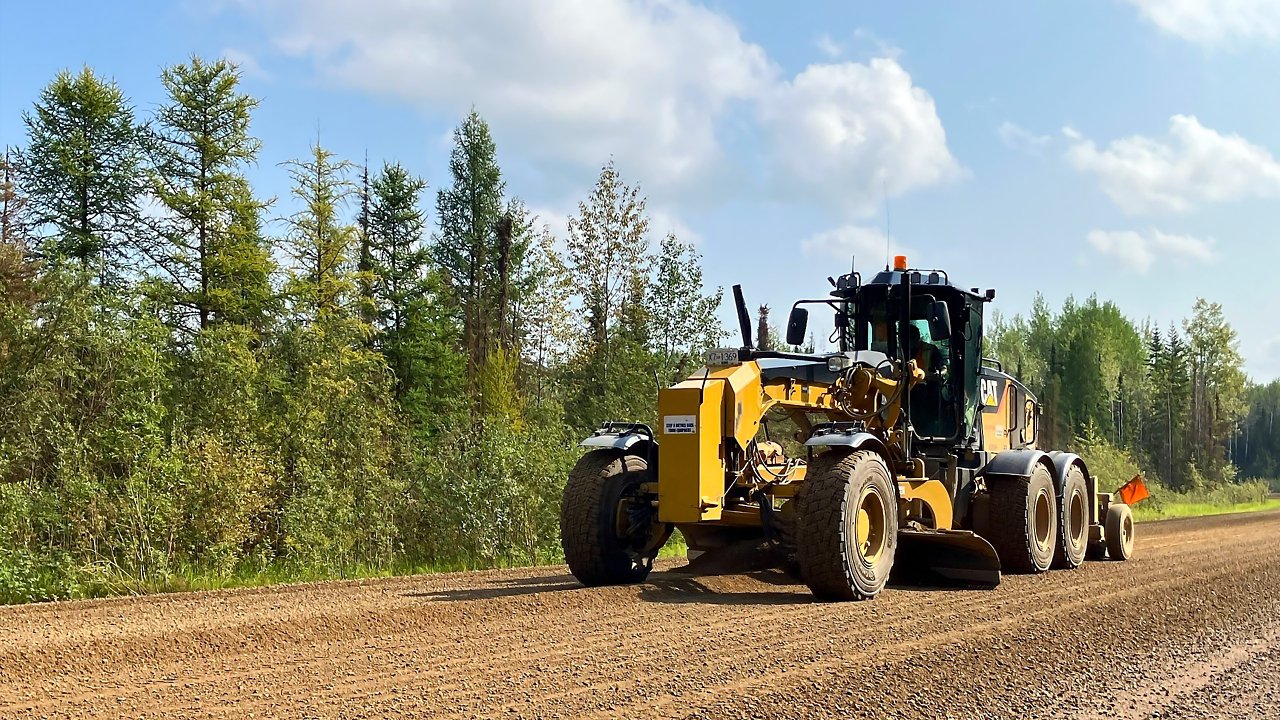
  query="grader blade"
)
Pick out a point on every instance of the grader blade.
point(947, 556)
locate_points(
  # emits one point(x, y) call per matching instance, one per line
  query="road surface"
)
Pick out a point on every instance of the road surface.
point(1190, 628)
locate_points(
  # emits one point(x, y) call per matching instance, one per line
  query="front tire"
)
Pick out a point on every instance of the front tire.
point(1024, 520)
point(609, 527)
point(846, 526)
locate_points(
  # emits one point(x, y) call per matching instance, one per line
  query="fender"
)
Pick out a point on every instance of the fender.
point(855, 441)
point(1017, 462)
point(616, 441)
point(630, 439)
point(1062, 462)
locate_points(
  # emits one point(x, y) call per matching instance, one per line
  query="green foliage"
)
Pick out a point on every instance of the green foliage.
point(319, 241)
point(683, 322)
point(213, 261)
point(468, 250)
point(1172, 400)
point(1258, 442)
point(82, 171)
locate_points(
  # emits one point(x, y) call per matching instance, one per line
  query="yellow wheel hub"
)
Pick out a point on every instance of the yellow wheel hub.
point(1043, 519)
point(869, 526)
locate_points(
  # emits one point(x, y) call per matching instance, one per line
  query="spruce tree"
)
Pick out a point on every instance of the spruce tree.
point(83, 173)
point(466, 250)
point(209, 248)
point(397, 261)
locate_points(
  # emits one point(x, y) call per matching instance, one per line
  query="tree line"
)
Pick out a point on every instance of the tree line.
point(194, 381)
point(1174, 400)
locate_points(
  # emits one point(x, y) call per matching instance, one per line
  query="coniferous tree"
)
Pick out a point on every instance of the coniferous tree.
point(319, 241)
point(466, 248)
point(209, 247)
point(82, 171)
point(416, 330)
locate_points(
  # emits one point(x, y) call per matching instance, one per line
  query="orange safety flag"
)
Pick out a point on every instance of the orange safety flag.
point(1134, 491)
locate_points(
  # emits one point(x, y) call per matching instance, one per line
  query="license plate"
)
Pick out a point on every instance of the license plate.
point(723, 356)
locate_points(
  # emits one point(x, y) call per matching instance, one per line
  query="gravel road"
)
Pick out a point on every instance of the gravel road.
point(1190, 628)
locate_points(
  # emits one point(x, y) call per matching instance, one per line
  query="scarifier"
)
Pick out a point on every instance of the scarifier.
point(906, 446)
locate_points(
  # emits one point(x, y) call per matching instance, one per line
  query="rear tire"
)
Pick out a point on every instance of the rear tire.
point(1024, 520)
point(608, 527)
point(1119, 529)
point(846, 526)
point(1073, 521)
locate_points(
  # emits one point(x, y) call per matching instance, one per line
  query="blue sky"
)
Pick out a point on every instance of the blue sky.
point(1121, 147)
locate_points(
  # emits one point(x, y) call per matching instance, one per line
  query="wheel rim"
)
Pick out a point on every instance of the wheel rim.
point(1078, 518)
point(1127, 531)
point(636, 525)
point(869, 527)
point(1043, 519)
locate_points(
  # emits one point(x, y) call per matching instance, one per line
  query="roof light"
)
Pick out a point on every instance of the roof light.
point(900, 262)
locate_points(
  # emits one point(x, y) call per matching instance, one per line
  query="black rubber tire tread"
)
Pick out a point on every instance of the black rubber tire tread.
point(1117, 548)
point(592, 555)
point(1067, 555)
point(1012, 531)
point(821, 535)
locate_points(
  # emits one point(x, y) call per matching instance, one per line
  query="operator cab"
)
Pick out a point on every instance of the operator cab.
point(918, 315)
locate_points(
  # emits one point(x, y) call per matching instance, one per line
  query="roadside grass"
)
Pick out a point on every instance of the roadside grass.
point(26, 578)
point(1169, 510)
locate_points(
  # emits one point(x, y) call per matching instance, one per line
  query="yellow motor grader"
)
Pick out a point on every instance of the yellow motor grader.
point(906, 444)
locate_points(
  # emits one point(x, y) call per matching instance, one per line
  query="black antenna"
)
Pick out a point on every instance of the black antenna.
point(888, 221)
point(744, 319)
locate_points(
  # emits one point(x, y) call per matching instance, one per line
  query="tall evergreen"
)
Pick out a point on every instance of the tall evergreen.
point(414, 328)
point(82, 171)
point(209, 248)
point(320, 242)
point(466, 250)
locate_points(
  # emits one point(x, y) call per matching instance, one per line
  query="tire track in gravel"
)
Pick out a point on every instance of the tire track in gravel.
point(522, 643)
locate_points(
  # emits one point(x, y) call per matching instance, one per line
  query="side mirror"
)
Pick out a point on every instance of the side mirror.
point(797, 326)
point(940, 322)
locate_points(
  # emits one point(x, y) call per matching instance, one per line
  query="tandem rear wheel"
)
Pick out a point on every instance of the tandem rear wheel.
point(1024, 527)
point(609, 526)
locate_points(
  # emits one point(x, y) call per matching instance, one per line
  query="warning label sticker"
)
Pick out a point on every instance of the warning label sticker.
point(679, 424)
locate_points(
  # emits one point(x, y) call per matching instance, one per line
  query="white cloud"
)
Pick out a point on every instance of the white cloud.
point(247, 63)
point(1019, 138)
point(1212, 22)
point(564, 80)
point(828, 46)
point(847, 242)
point(1140, 251)
point(663, 222)
point(662, 86)
point(1193, 166)
point(850, 132)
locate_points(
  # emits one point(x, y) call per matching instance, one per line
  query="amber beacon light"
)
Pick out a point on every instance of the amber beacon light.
point(900, 262)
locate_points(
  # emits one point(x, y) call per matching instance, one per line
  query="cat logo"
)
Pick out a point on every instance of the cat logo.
point(990, 392)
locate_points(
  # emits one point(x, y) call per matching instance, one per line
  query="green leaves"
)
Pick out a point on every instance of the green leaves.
point(83, 173)
point(207, 243)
